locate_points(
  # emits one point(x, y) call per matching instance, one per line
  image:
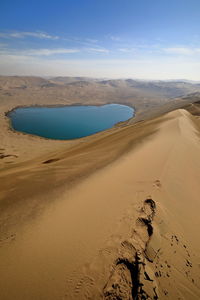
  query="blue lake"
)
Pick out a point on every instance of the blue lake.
point(68, 122)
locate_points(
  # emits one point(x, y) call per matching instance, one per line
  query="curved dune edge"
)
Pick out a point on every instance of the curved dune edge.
point(126, 231)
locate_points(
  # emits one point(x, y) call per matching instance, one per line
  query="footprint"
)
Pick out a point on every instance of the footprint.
point(157, 183)
point(83, 287)
point(7, 155)
point(50, 160)
point(123, 282)
point(144, 221)
point(147, 223)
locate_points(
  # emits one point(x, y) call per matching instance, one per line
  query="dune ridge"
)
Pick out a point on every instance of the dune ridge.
point(128, 229)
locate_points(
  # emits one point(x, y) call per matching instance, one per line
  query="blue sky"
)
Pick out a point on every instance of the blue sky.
point(147, 39)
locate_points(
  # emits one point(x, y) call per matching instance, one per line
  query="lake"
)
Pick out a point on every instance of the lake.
point(68, 122)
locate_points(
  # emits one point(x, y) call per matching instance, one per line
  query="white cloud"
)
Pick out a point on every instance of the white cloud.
point(93, 41)
point(37, 52)
point(115, 38)
point(98, 50)
point(48, 52)
point(23, 34)
point(182, 50)
point(127, 50)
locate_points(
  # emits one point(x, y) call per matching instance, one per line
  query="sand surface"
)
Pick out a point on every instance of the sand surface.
point(113, 217)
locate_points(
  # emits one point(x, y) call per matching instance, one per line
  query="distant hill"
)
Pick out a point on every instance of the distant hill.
point(144, 96)
point(123, 87)
point(23, 82)
point(66, 80)
point(169, 89)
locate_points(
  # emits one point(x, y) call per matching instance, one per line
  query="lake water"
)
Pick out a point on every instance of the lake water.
point(68, 122)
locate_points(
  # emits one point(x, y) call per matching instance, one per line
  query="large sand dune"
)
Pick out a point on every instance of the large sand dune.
point(113, 217)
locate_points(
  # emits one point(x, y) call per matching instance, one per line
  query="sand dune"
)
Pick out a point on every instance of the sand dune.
point(115, 217)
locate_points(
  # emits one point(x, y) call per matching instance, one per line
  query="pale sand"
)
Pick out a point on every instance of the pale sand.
point(62, 240)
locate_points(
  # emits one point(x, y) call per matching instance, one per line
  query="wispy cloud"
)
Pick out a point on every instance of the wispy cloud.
point(48, 52)
point(93, 41)
point(38, 52)
point(87, 42)
point(182, 50)
point(127, 50)
point(46, 36)
point(98, 50)
point(115, 38)
point(23, 34)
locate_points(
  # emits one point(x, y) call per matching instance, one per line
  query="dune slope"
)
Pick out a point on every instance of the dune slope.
point(127, 230)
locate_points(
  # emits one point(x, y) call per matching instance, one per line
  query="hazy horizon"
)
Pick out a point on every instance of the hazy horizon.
point(49, 77)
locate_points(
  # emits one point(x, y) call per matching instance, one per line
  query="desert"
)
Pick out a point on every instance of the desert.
point(113, 215)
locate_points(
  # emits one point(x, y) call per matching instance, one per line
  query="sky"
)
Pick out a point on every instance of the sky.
point(144, 39)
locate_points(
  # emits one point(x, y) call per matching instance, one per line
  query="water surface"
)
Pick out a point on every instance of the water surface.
point(68, 122)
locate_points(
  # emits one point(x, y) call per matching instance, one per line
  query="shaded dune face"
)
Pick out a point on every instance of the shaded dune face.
point(108, 218)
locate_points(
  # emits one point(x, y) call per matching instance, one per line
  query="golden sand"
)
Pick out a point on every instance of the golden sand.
point(115, 215)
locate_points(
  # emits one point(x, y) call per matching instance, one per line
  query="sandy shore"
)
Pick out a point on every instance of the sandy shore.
point(114, 216)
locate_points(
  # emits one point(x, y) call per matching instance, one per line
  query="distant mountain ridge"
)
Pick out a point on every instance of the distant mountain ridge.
point(132, 87)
